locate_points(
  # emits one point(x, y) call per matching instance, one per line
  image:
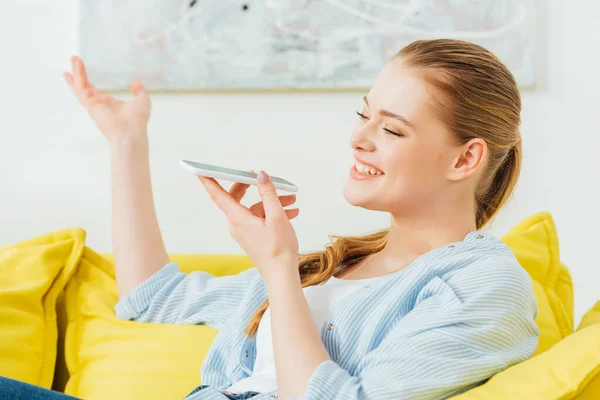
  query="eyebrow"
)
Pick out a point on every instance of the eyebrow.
point(386, 113)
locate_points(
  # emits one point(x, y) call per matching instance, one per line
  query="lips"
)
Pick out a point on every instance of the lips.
point(367, 170)
point(365, 167)
point(362, 176)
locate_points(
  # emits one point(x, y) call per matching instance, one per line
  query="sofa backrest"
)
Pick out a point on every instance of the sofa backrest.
point(535, 244)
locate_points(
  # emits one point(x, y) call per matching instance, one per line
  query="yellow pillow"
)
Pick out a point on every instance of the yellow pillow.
point(33, 273)
point(592, 317)
point(569, 369)
point(592, 390)
point(108, 358)
point(535, 244)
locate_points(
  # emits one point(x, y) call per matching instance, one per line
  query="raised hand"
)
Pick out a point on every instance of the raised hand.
point(117, 119)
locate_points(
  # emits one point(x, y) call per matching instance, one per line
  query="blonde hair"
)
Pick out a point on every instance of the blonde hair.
point(477, 97)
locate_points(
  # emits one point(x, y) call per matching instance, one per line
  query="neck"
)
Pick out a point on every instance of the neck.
point(411, 236)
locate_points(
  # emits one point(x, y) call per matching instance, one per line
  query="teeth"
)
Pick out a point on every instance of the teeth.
point(366, 170)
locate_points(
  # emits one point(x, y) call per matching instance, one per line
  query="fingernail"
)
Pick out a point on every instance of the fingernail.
point(263, 177)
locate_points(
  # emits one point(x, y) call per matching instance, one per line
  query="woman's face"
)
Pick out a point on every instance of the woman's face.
point(408, 151)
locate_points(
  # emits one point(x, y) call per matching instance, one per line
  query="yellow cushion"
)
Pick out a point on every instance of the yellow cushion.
point(592, 390)
point(565, 370)
point(591, 317)
point(569, 369)
point(535, 244)
point(108, 358)
point(33, 273)
point(214, 264)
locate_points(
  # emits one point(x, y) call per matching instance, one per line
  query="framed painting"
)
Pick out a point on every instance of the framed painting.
point(285, 44)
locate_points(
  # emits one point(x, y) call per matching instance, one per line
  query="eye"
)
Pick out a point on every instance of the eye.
point(389, 132)
point(361, 115)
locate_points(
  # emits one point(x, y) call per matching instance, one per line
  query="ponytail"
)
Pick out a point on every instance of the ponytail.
point(501, 187)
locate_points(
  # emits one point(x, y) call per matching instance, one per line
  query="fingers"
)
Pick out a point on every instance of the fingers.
point(293, 213)
point(78, 82)
point(260, 212)
point(76, 72)
point(69, 79)
point(268, 194)
point(77, 91)
point(238, 190)
point(287, 200)
point(258, 208)
point(137, 88)
point(232, 208)
point(79, 72)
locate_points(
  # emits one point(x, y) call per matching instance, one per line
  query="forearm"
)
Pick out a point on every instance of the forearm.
point(138, 246)
point(297, 343)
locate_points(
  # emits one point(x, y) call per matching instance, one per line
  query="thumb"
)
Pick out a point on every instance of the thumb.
point(137, 88)
point(268, 195)
point(140, 93)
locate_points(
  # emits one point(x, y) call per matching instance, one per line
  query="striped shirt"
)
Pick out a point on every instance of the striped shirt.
point(446, 323)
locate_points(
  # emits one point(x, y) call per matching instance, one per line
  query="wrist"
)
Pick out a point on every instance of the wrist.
point(282, 271)
point(128, 143)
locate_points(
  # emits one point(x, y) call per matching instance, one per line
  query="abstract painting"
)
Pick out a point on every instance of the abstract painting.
point(285, 44)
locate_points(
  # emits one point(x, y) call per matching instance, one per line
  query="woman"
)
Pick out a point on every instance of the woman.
point(425, 309)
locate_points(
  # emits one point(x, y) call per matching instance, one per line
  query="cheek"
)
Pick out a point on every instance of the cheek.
point(417, 161)
point(417, 174)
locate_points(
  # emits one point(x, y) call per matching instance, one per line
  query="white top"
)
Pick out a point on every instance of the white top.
point(321, 299)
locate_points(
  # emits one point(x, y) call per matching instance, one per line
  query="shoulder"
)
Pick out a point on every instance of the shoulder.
point(483, 256)
point(484, 266)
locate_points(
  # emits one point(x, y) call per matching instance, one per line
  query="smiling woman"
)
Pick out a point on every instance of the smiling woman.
point(426, 308)
point(437, 146)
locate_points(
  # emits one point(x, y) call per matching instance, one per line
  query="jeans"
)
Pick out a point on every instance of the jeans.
point(17, 390)
point(232, 396)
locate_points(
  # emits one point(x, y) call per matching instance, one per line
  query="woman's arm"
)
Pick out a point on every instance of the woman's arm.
point(173, 297)
point(138, 247)
point(462, 330)
point(297, 344)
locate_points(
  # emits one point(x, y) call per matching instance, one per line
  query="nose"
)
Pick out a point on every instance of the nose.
point(361, 138)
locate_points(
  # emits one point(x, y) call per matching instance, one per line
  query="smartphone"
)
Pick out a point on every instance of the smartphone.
point(234, 175)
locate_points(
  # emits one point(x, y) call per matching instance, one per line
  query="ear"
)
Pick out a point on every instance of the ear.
point(469, 159)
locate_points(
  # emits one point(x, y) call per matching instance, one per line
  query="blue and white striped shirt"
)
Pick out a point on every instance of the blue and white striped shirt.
point(449, 321)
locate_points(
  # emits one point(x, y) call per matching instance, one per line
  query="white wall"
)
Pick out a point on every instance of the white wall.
point(54, 163)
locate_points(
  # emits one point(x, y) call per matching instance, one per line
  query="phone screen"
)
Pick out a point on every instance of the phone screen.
point(234, 172)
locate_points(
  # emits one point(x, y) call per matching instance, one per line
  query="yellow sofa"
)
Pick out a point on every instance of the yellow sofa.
point(57, 305)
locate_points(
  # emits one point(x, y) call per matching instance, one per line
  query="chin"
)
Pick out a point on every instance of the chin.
point(358, 197)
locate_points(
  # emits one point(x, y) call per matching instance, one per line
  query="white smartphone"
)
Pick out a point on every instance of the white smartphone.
point(234, 175)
